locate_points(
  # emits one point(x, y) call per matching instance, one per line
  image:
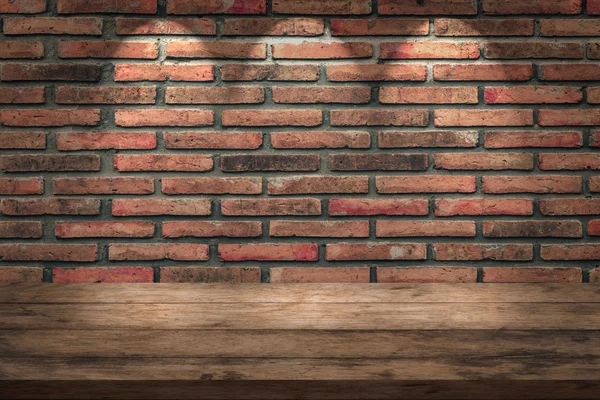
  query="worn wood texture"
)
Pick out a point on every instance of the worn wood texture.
point(300, 341)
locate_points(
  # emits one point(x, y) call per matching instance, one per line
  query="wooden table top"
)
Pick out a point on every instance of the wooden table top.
point(439, 341)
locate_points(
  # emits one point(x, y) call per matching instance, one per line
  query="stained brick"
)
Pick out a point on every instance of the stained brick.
point(426, 275)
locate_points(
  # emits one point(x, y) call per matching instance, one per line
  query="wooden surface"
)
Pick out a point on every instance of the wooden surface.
point(303, 341)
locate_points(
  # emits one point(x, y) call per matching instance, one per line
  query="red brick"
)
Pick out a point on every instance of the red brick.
point(103, 186)
point(570, 72)
point(217, 7)
point(426, 184)
point(164, 72)
point(209, 275)
point(573, 162)
point(427, 7)
point(427, 275)
point(51, 72)
point(593, 51)
point(12, 275)
point(595, 273)
point(323, 8)
point(272, 117)
point(428, 95)
point(483, 27)
point(53, 26)
point(270, 162)
point(22, 140)
point(108, 49)
point(593, 7)
point(20, 230)
point(178, 229)
point(516, 50)
point(21, 186)
point(531, 275)
point(105, 141)
point(482, 72)
point(532, 95)
point(406, 139)
point(164, 117)
point(21, 49)
point(569, 27)
point(593, 95)
point(103, 275)
point(378, 162)
point(50, 206)
point(163, 162)
point(570, 206)
point(429, 50)
point(275, 207)
point(151, 207)
point(594, 228)
point(269, 252)
point(48, 252)
point(482, 252)
point(375, 251)
point(149, 252)
point(26, 95)
point(394, 228)
point(322, 51)
point(214, 95)
point(595, 138)
point(321, 140)
point(533, 229)
point(103, 6)
point(372, 27)
point(532, 7)
point(594, 184)
point(217, 50)
point(155, 26)
point(483, 206)
point(49, 163)
point(531, 184)
point(357, 207)
point(249, 72)
point(472, 117)
point(569, 117)
point(22, 6)
point(129, 229)
point(318, 185)
point(48, 117)
point(513, 139)
point(320, 275)
point(576, 252)
point(375, 117)
point(105, 95)
point(332, 229)
point(376, 72)
point(484, 161)
point(212, 140)
point(212, 185)
point(331, 94)
point(273, 27)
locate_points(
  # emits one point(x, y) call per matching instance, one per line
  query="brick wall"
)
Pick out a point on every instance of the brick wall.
point(300, 140)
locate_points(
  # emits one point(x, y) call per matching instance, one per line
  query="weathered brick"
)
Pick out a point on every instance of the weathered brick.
point(270, 162)
point(217, 50)
point(212, 185)
point(427, 7)
point(49, 163)
point(483, 27)
point(105, 95)
point(574, 117)
point(532, 7)
point(273, 27)
point(51, 72)
point(573, 162)
point(214, 95)
point(321, 140)
point(426, 184)
point(217, 7)
point(50, 206)
point(20, 230)
point(73, 186)
point(274, 72)
point(22, 6)
point(570, 206)
point(429, 50)
point(594, 184)
point(318, 185)
point(108, 49)
point(334, 229)
point(356, 207)
point(320, 275)
point(575, 252)
point(322, 51)
point(426, 275)
point(209, 275)
point(129, 229)
point(51, 117)
point(12, 275)
point(374, 117)
point(375, 251)
point(149, 252)
point(272, 117)
point(373, 27)
point(322, 8)
point(213, 140)
point(519, 50)
point(178, 229)
point(268, 252)
point(273, 207)
point(570, 72)
point(484, 161)
point(472, 117)
point(483, 206)
point(378, 162)
point(376, 72)
point(482, 252)
point(593, 95)
point(332, 94)
point(163, 162)
point(22, 140)
point(531, 184)
point(482, 72)
point(514, 139)
point(594, 228)
point(21, 186)
point(150, 207)
point(404, 139)
point(428, 95)
point(103, 6)
point(164, 72)
point(392, 228)
point(48, 252)
point(532, 275)
point(21, 49)
point(155, 26)
point(53, 26)
point(569, 27)
point(595, 273)
point(103, 275)
point(164, 117)
point(105, 141)
point(530, 228)
point(26, 95)
point(532, 95)
point(593, 7)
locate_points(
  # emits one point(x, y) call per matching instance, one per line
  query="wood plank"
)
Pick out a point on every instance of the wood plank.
point(306, 293)
point(315, 316)
point(305, 369)
point(474, 344)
